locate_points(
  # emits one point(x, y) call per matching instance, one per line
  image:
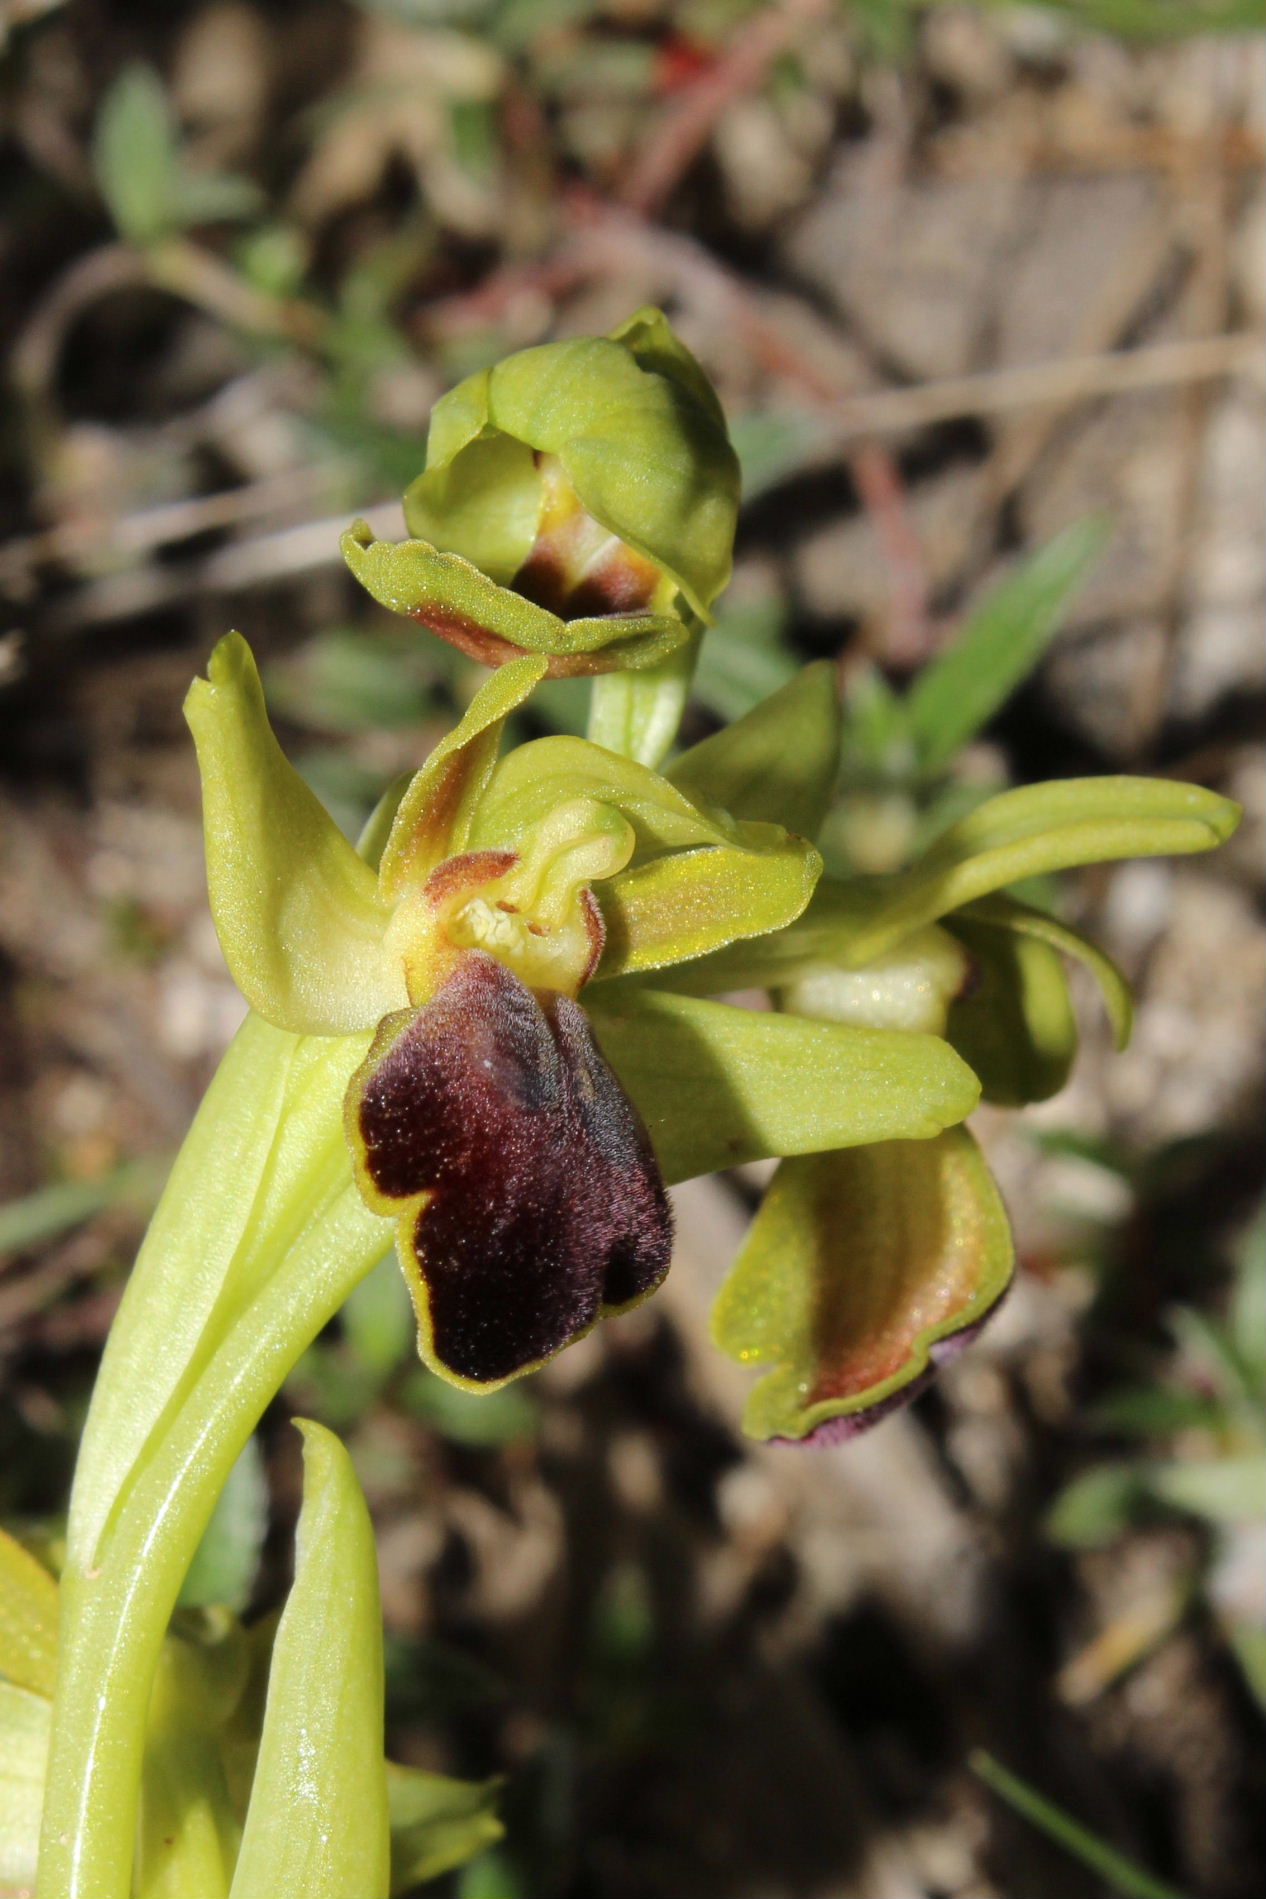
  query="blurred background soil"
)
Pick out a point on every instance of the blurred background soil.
point(962, 276)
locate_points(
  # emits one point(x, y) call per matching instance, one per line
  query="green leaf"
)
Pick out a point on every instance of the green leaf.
point(63, 1204)
point(717, 1085)
point(224, 1566)
point(1015, 1024)
point(378, 1319)
point(743, 658)
point(24, 1728)
point(28, 1620)
point(1095, 1508)
point(437, 1823)
point(296, 909)
point(459, 603)
point(135, 156)
point(317, 1825)
point(1119, 1872)
point(1219, 1489)
point(1000, 643)
point(778, 763)
point(214, 197)
point(861, 1270)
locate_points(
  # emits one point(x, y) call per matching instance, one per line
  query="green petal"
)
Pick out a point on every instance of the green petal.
point(862, 1270)
point(688, 903)
point(779, 762)
point(1008, 913)
point(295, 908)
point(434, 817)
point(460, 604)
point(717, 1085)
point(1016, 1027)
point(655, 345)
point(1037, 829)
point(317, 1825)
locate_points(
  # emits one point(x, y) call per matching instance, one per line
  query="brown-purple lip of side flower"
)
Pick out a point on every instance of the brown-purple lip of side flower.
point(529, 1200)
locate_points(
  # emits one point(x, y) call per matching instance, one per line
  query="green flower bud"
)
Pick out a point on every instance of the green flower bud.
point(578, 500)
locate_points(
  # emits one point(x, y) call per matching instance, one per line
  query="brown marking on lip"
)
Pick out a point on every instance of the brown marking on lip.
point(529, 1198)
point(457, 875)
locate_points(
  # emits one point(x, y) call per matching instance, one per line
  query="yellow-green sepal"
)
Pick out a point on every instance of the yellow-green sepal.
point(457, 601)
point(778, 762)
point(318, 1825)
point(1008, 913)
point(437, 1823)
point(717, 1085)
point(296, 909)
point(862, 1271)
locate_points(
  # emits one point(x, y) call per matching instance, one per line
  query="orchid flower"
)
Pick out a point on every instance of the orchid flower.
point(497, 1030)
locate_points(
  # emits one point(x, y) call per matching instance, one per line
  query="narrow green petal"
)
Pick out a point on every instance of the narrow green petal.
point(717, 1085)
point(28, 1619)
point(317, 1826)
point(1007, 912)
point(1016, 1025)
point(460, 604)
point(1037, 829)
point(688, 903)
point(296, 910)
point(861, 1271)
point(433, 819)
point(779, 762)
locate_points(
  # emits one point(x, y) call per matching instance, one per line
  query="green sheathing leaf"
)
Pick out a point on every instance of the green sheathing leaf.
point(28, 1620)
point(857, 1266)
point(24, 1726)
point(778, 763)
point(462, 605)
point(296, 909)
point(717, 1085)
point(1016, 1025)
point(437, 1823)
point(317, 1825)
point(1001, 642)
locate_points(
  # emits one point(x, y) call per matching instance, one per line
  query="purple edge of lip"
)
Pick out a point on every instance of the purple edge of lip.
point(942, 1352)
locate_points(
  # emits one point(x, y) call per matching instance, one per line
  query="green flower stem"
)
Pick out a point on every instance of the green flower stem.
point(303, 1240)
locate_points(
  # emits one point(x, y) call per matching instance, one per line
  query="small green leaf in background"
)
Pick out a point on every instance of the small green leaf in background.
point(743, 659)
point(53, 1210)
point(135, 156)
point(959, 691)
point(224, 1565)
point(1095, 1508)
point(469, 1417)
point(317, 1826)
point(378, 1320)
point(1120, 1873)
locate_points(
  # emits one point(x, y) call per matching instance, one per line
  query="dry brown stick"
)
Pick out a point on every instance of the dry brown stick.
point(686, 125)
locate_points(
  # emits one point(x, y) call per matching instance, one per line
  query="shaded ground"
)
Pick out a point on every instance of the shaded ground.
point(706, 1667)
